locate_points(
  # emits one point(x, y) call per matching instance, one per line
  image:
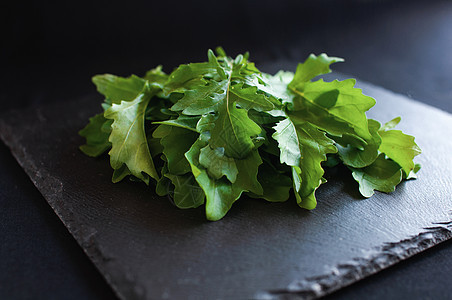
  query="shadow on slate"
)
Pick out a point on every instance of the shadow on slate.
point(146, 248)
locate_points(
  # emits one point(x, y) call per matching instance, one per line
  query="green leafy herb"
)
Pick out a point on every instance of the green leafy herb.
point(128, 136)
point(96, 136)
point(209, 132)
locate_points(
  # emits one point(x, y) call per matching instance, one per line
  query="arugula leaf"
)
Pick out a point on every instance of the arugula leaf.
point(158, 110)
point(303, 147)
point(186, 77)
point(117, 89)
point(354, 156)
point(186, 122)
point(412, 174)
point(221, 193)
point(312, 67)
point(187, 193)
point(154, 145)
point(128, 136)
point(401, 148)
point(175, 141)
point(96, 138)
point(120, 173)
point(217, 164)
point(232, 83)
point(164, 185)
point(339, 102)
point(275, 184)
point(206, 123)
point(264, 118)
point(156, 76)
point(391, 124)
point(382, 175)
point(221, 128)
point(233, 131)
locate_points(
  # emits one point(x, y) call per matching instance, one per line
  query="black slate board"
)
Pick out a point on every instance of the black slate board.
point(148, 249)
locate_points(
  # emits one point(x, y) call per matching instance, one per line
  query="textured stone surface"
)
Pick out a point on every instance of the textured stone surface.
point(146, 248)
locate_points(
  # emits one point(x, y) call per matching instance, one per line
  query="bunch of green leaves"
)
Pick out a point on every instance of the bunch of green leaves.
point(209, 132)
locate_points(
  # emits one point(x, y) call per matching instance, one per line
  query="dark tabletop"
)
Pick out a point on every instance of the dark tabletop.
point(52, 50)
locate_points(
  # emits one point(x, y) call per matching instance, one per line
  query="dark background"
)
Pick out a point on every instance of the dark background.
point(50, 50)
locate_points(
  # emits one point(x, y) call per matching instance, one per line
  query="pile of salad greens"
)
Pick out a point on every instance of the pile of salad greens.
point(209, 132)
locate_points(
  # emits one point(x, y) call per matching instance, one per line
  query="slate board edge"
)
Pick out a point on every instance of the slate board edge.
point(349, 272)
point(339, 276)
point(125, 287)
